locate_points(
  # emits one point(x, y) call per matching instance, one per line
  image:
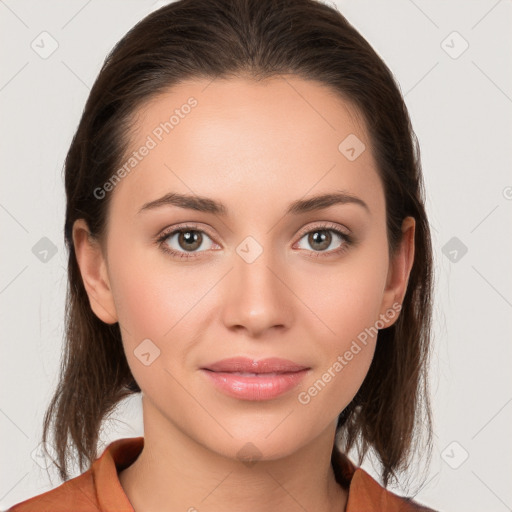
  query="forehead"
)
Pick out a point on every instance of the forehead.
point(277, 137)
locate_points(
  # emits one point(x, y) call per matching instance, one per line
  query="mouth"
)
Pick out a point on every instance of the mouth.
point(249, 374)
point(251, 380)
point(247, 365)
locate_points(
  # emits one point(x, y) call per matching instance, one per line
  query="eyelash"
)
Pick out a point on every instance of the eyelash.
point(347, 240)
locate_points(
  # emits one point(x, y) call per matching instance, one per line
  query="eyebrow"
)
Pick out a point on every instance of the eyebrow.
point(207, 205)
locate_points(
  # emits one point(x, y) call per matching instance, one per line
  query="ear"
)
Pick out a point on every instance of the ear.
point(398, 274)
point(93, 269)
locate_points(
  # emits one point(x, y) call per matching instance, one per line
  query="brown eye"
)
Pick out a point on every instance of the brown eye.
point(324, 240)
point(190, 240)
point(320, 239)
point(185, 242)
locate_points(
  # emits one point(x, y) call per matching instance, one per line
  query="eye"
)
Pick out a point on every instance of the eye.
point(327, 239)
point(184, 241)
point(188, 240)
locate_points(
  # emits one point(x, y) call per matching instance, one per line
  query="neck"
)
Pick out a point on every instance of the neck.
point(174, 472)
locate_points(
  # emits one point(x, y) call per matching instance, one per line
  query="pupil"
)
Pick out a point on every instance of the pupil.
point(191, 237)
point(322, 238)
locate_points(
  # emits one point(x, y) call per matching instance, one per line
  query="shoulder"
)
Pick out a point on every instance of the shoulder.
point(413, 506)
point(367, 494)
point(76, 494)
point(96, 489)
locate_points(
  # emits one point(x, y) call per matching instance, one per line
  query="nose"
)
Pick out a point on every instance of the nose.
point(257, 297)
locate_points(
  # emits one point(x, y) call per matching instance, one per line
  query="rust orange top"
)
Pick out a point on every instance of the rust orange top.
point(98, 489)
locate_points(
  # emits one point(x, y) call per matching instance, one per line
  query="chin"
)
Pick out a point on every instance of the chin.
point(252, 445)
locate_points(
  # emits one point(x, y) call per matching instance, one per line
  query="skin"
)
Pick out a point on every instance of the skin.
point(255, 146)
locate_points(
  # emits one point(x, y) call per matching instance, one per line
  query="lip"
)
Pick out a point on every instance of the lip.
point(272, 377)
point(245, 364)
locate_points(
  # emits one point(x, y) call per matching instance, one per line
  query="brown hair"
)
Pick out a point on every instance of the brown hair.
point(197, 39)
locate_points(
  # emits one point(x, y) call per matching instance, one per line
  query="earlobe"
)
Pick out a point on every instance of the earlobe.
point(93, 269)
point(398, 275)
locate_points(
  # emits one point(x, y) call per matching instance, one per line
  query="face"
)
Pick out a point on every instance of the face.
point(258, 270)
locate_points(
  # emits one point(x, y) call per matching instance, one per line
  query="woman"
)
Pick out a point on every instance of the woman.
point(249, 249)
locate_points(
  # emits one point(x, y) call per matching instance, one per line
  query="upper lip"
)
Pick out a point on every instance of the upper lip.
point(245, 364)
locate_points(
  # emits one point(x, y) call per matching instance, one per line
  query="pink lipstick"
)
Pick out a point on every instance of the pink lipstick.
point(247, 379)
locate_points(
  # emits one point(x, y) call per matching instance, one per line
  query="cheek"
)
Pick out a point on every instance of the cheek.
point(346, 339)
point(346, 302)
point(345, 298)
point(156, 301)
point(151, 294)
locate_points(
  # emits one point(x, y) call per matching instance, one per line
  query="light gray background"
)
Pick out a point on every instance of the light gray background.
point(461, 109)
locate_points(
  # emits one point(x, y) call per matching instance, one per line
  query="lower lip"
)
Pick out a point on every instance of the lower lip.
point(261, 387)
